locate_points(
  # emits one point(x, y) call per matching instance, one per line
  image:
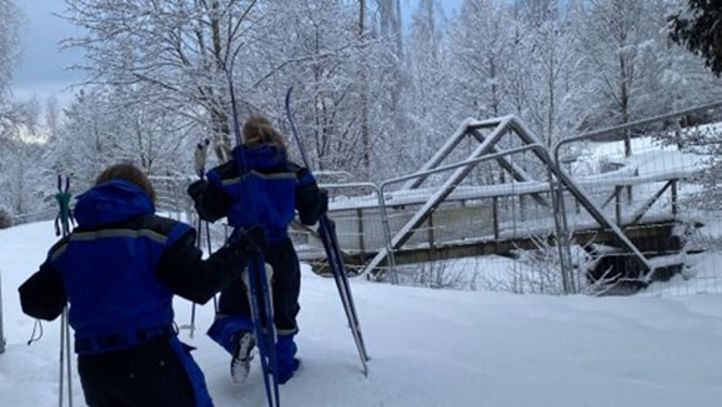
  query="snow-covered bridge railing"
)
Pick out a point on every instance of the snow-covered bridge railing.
point(495, 219)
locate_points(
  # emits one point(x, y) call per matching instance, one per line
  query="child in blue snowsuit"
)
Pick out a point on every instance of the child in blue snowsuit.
point(260, 186)
point(118, 271)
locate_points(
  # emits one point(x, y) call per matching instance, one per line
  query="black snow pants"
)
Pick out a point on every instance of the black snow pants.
point(286, 288)
point(147, 375)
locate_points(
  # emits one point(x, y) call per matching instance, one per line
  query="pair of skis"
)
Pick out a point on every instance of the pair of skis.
point(327, 232)
point(261, 299)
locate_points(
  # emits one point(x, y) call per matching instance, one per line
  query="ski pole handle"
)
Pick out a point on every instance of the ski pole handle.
point(200, 157)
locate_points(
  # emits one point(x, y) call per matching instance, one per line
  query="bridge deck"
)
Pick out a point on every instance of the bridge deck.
point(655, 238)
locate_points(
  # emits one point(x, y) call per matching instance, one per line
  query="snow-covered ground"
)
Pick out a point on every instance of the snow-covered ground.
point(430, 347)
point(614, 150)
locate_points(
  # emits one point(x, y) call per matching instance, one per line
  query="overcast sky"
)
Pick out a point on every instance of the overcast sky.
point(43, 72)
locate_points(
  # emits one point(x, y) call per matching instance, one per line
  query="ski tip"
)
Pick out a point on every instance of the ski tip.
point(288, 94)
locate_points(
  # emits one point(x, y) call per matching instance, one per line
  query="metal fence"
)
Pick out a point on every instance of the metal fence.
point(678, 230)
point(172, 200)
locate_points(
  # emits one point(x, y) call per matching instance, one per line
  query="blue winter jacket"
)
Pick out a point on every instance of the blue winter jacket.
point(260, 186)
point(119, 269)
point(108, 273)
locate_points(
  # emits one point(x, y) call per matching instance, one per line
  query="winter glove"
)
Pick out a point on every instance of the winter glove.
point(240, 248)
point(312, 203)
point(42, 295)
point(245, 242)
point(195, 189)
point(210, 202)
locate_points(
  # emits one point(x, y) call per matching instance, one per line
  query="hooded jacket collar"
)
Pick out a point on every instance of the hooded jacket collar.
point(263, 157)
point(111, 202)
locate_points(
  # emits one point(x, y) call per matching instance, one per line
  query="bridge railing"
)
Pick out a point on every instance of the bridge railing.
point(496, 221)
point(355, 228)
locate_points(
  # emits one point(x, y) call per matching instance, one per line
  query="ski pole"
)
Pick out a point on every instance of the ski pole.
point(62, 227)
point(199, 160)
point(209, 246)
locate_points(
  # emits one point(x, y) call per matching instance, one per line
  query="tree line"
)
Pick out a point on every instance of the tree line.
point(374, 94)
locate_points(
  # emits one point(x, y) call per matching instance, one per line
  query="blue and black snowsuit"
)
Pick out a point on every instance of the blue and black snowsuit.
point(118, 271)
point(260, 186)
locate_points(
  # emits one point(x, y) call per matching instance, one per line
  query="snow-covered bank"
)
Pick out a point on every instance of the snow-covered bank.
point(431, 347)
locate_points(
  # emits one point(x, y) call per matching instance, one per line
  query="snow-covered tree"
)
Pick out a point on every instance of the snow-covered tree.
point(24, 190)
point(548, 71)
point(178, 56)
point(615, 39)
point(430, 116)
point(82, 148)
point(9, 51)
point(9, 55)
point(328, 51)
point(698, 27)
point(179, 51)
point(373, 96)
point(12, 151)
point(481, 41)
point(51, 116)
point(96, 133)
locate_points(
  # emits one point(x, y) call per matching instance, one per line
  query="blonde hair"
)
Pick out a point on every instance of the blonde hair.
point(130, 173)
point(258, 131)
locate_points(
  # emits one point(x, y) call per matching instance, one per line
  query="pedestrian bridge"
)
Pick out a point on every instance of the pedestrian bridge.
point(487, 202)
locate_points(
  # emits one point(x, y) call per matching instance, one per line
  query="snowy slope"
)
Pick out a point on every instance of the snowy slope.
point(431, 348)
